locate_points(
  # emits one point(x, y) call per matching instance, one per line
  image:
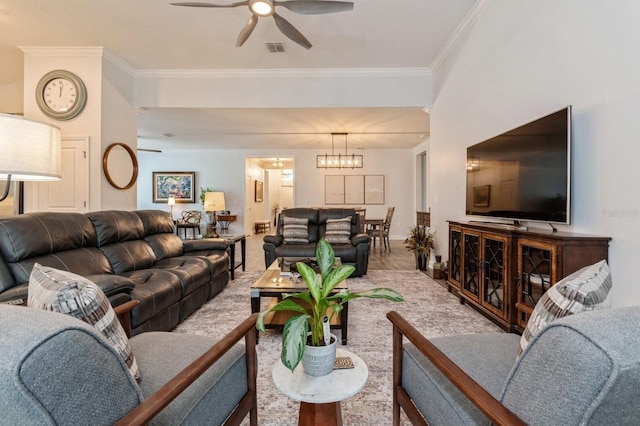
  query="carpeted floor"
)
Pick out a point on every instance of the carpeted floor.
point(428, 306)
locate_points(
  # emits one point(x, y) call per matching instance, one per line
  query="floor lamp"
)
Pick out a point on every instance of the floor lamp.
point(213, 202)
point(29, 151)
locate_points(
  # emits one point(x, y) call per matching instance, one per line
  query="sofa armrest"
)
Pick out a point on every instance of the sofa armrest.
point(490, 406)
point(144, 412)
point(276, 240)
point(360, 238)
point(205, 244)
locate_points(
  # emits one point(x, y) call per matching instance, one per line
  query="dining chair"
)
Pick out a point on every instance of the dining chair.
point(374, 231)
point(362, 213)
point(190, 220)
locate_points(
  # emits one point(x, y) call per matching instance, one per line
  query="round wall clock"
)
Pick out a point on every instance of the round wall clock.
point(61, 95)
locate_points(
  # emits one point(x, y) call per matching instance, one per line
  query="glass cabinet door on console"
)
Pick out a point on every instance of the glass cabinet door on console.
point(495, 289)
point(536, 274)
point(455, 258)
point(471, 266)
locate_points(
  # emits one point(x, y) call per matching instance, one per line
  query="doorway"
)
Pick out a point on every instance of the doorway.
point(274, 178)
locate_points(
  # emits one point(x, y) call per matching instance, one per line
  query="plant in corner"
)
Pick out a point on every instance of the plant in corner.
point(320, 302)
point(203, 191)
point(421, 241)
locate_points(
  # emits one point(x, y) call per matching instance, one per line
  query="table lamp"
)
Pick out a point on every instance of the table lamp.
point(171, 201)
point(213, 202)
point(31, 151)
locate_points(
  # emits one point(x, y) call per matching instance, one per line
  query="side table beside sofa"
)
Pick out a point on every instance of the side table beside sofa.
point(129, 255)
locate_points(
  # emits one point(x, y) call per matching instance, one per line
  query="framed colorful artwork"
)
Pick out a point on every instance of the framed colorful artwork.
point(179, 184)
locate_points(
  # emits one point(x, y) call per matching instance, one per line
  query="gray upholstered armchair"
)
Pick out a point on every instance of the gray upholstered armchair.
point(582, 369)
point(55, 369)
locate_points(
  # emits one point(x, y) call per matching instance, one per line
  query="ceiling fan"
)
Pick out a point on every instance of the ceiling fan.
point(260, 8)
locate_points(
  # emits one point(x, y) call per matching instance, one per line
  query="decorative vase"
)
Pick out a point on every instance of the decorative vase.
point(422, 260)
point(318, 360)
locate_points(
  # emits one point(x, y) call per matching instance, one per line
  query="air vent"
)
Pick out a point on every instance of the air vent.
point(275, 47)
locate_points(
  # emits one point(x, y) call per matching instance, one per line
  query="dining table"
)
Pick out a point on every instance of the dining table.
point(376, 224)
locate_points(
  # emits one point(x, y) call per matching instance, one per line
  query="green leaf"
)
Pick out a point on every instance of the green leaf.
point(294, 339)
point(375, 293)
point(335, 277)
point(303, 296)
point(325, 256)
point(288, 305)
point(285, 305)
point(310, 279)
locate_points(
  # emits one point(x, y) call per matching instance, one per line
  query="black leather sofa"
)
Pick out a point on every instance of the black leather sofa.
point(355, 253)
point(130, 255)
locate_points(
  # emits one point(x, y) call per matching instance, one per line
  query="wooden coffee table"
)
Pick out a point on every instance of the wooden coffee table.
point(273, 283)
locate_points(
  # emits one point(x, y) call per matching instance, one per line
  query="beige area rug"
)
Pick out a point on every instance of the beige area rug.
point(428, 306)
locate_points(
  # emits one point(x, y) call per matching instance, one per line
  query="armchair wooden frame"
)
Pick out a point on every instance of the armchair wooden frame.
point(144, 412)
point(483, 400)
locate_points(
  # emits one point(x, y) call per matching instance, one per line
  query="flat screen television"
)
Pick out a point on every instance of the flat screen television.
point(523, 174)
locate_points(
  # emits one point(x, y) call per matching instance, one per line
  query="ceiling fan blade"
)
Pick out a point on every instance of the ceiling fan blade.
point(306, 7)
point(247, 30)
point(290, 31)
point(197, 4)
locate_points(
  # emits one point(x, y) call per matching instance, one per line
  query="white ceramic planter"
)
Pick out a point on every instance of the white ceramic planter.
point(318, 360)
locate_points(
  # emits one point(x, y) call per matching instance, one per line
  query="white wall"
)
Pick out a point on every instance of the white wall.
point(522, 60)
point(225, 171)
point(87, 64)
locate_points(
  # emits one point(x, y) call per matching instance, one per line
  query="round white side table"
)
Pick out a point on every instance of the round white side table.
point(320, 396)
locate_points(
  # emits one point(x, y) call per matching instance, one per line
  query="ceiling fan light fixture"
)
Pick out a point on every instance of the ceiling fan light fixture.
point(261, 7)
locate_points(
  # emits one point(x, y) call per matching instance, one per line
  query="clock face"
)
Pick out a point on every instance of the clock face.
point(61, 95)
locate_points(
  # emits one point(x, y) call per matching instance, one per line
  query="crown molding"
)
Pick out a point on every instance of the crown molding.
point(284, 73)
point(119, 62)
point(62, 51)
point(457, 36)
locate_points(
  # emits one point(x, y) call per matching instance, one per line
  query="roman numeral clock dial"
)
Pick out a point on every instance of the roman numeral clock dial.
point(61, 95)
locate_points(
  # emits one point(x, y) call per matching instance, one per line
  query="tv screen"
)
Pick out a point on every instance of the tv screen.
point(523, 174)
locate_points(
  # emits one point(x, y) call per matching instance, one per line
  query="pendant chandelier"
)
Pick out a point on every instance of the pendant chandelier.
point(339, 161)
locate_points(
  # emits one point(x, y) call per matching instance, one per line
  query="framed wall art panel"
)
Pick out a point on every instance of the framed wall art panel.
point(179, 184)
point(259, 192)
point(354, 189)
point(374, 189)
point(334, 189)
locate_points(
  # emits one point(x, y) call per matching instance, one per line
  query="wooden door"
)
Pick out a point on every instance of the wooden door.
point(71, 193)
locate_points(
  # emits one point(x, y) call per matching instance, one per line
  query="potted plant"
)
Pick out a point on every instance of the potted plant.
point(421, 241)
point(319, 306)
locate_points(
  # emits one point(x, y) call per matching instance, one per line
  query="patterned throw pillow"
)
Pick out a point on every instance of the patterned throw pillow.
point(295, 230)
point(71, 294)
point(338, 231)
point(584, 290)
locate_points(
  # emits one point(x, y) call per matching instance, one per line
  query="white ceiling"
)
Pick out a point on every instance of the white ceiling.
point(153, 35)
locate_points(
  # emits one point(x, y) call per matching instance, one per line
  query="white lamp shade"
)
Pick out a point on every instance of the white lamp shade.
point(213, 201)
point(171, 200)
point(29, 150)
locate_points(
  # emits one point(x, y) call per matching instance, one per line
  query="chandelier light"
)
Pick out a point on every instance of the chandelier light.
point(339, 161)
point(278, 164)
